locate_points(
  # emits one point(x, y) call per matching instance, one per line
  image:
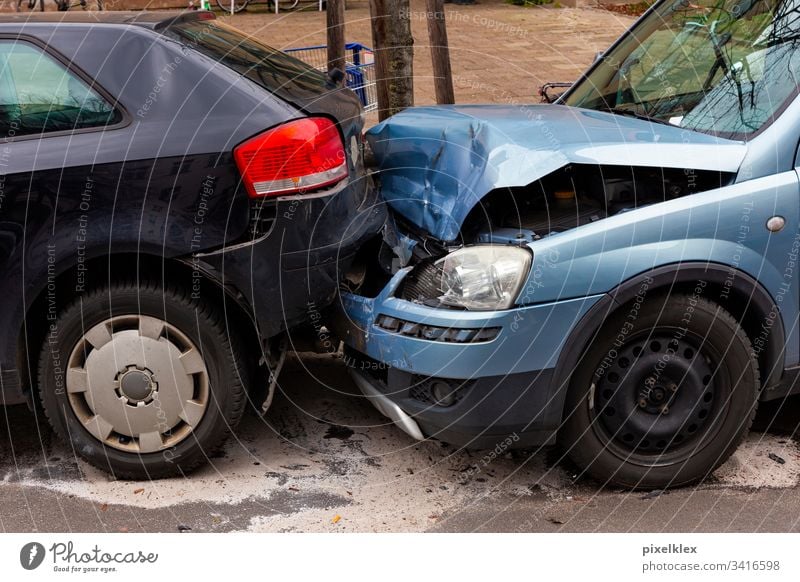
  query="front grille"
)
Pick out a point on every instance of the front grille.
point(458, 335)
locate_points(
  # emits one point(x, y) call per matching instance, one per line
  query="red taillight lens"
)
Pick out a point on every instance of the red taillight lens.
point(296, 157)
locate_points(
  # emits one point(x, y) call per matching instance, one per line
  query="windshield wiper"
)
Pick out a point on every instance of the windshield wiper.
point(637, 115)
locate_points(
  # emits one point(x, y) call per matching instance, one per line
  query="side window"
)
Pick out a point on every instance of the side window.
point(38, 94)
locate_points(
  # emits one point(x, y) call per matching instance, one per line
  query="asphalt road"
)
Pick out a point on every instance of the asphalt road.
point(324, 460)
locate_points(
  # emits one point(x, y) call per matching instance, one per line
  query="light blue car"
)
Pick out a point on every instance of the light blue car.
point(615, 273)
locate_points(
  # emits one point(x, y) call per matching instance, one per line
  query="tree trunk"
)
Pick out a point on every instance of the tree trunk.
point(394, 55)
point(335, 20)
point(440, 52)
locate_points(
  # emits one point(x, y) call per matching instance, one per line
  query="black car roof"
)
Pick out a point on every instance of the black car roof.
point(144, 18)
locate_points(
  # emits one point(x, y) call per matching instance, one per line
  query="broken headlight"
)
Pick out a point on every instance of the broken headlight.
point(483, 277)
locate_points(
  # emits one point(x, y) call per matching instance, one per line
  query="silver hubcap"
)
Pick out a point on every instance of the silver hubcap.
point(137, 383)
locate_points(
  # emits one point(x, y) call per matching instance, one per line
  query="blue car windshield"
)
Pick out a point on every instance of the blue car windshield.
point(727, 67)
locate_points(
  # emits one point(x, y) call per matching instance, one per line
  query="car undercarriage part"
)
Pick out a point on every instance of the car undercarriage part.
point(388, 408)
point(273, 359)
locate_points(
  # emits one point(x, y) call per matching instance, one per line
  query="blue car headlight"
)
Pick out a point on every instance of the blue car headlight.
point(483, 277)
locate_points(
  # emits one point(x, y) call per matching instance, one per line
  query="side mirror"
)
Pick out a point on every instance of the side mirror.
point(547, 96)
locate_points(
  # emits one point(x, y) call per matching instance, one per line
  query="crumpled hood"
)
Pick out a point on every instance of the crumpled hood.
point(436, 163)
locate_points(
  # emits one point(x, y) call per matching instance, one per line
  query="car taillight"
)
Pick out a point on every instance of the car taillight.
point(299, 156)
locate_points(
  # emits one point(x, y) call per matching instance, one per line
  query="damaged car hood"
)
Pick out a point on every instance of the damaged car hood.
point(436, 163)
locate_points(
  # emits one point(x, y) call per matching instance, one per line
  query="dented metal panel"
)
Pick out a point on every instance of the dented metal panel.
point(436, 163)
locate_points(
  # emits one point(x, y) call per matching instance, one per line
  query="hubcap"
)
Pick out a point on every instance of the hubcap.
point(656, 396)
point(137, 383)
point(137, 386)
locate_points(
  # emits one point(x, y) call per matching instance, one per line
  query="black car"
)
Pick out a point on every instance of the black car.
point(174, 195)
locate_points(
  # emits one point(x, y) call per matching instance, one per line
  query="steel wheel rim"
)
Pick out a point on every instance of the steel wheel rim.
point(137, 384)
point(702, 391)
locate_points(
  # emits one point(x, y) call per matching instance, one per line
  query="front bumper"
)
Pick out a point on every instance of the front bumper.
point(493, 388)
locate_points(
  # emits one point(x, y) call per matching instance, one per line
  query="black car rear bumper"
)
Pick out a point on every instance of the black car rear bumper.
point(283, 276)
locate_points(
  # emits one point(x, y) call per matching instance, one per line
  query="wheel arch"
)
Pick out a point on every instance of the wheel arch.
point(104, 270)
point(739, 293)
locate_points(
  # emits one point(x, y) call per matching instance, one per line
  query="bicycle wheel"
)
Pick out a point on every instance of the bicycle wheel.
point(238, 5)
point(284, 5)
point(31, 4)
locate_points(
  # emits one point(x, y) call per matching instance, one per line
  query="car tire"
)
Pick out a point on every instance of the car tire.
point(143, 380)
point(663, 396)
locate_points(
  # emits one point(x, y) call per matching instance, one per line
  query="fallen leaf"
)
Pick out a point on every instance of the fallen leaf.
point(555, 521)
point(336, 518)
point(139, 490)
point(293, 489)
point(104, 507)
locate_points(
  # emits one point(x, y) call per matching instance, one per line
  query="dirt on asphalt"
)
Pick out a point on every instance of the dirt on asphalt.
point(324, 460)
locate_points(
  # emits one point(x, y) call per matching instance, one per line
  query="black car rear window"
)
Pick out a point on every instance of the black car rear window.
point(287, 77)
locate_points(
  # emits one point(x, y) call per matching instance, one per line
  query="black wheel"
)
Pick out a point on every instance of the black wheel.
point(238, 5)
point(144, 381)
point(664, 395)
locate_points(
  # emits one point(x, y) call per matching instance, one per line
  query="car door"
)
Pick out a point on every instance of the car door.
point(43, 105)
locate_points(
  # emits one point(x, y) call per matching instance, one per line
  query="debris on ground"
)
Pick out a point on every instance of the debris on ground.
point(777, 459)
point(653, 494)
point(336, 431)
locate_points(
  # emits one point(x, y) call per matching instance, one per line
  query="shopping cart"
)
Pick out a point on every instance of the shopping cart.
point(359, 68)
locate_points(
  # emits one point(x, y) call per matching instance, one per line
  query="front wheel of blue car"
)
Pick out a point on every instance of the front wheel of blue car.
point(664, 395)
